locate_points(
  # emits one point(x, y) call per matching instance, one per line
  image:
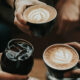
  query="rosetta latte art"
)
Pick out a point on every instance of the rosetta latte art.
point(62, 56)
point(39, 15)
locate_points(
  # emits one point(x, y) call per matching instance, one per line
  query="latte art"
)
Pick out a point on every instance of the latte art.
point(39, 15)
point(62, 56)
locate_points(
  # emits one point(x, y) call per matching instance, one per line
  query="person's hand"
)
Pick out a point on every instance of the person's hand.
point(68, 15)
point(74, 73)
point(8, 76)
point(20, 6)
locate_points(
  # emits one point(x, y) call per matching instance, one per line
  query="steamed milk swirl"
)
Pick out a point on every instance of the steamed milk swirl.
point(60, 57)
point(39, 15)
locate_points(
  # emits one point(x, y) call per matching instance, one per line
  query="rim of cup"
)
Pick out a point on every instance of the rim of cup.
point(20, 40)
point(42, 22)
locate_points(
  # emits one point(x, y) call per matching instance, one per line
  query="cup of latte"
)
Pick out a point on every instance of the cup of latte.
point(40, 18)
point(18, 57)
point(60, 58)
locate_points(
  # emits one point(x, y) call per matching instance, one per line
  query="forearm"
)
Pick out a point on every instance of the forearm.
point(11, 3)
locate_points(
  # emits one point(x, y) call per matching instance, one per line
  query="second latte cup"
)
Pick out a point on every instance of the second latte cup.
point(40, 18)
point(54, 72)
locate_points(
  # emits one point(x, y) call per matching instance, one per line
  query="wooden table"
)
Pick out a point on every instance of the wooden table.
point(39, 70)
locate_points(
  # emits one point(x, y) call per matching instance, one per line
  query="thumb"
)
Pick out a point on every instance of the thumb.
point(77, 72)
point(19, 13)
point(73, 73)
point(75, 45)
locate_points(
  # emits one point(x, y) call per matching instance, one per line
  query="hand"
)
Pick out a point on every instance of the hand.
point(68, 15)
point(8, 76)
point(20, 7)
point(76, 72)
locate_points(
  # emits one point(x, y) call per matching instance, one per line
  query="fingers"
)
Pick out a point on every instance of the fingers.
point(73, 73)
point(22, 27)
point(67, 74)
point(77, 71)
point(8, 76)
point(19, 13)
point(75, 45)
point(22, 7)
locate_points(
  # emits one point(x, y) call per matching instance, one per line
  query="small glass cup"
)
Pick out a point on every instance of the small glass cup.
point(18, 57)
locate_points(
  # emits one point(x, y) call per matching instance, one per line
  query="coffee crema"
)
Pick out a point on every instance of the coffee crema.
point(60, 57)
point(39, 14)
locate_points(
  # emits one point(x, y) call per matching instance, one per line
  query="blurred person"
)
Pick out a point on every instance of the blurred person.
point(68, 15)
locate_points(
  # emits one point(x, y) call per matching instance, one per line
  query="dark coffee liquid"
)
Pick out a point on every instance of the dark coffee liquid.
point(19, 51)
point(18, 58)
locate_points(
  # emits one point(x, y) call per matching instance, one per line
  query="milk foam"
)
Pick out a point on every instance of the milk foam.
point(39, 14)
point(61, 56)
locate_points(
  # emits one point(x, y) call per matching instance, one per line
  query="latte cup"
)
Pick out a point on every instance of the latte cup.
point(60, 58)
point(40, 18)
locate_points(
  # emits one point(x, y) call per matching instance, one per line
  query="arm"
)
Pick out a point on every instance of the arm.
point(68, 15)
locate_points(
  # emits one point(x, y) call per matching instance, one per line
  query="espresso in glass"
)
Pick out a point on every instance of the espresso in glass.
point(18, 57)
